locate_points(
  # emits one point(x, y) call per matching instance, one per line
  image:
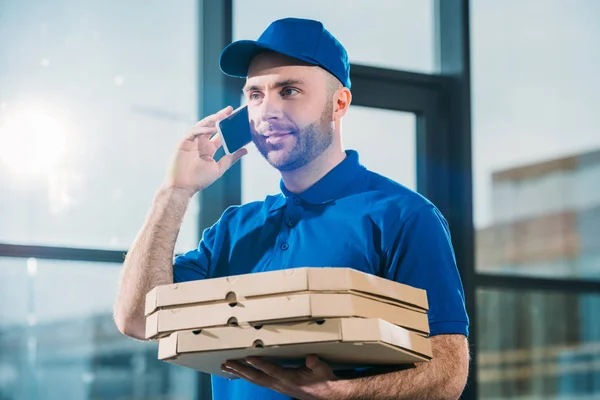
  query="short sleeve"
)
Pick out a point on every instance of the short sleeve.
point(195, 264)
point(422, 256)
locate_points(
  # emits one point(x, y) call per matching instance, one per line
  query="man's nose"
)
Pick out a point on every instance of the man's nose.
point(271, 108)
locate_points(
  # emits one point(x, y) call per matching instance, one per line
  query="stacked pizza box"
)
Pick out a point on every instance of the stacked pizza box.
point(348, 318)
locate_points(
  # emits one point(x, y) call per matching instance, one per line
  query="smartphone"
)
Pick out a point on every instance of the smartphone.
point(235, 130)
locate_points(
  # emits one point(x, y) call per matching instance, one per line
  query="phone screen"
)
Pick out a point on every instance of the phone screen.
point(235, 130)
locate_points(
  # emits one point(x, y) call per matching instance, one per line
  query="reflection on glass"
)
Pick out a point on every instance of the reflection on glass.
point(385, 141)
point(536, 345)
point(33, 140)
point(536, 136)
point(547, 220)
point(58, 339)
point(94, 97)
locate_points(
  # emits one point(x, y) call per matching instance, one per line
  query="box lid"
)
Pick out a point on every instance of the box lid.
point(343, 342)
point(295, 307)
point(321, 279)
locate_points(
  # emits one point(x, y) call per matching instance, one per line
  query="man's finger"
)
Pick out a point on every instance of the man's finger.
point(211, 120)
point(206, 147)
point(268, 368)
point(236, 373)
point(217, 140)
point(200, 131)
point(228, 160)
point(249, 373)
point(319, 368)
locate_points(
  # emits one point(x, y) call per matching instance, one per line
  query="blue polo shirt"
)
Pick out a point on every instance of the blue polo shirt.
point(352, 217)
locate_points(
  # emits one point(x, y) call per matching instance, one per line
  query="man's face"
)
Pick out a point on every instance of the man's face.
point(291, 110)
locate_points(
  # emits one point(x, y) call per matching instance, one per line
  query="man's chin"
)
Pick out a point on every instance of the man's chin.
point(277, 160)
point(281, 160)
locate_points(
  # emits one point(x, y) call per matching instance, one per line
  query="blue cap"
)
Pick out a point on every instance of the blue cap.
point(303, 39)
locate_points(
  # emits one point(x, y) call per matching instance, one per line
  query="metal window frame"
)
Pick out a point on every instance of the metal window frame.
point(452, 51)
point(61, 253)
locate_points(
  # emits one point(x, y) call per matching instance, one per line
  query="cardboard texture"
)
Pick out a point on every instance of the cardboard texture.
point(233, 289)
point(342, 342)
point(281, 308)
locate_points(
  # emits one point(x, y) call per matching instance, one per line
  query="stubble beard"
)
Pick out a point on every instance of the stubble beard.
point(310, 142)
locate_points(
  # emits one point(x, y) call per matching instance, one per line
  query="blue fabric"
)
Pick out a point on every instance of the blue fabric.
point(352, 217)
point(303, 39)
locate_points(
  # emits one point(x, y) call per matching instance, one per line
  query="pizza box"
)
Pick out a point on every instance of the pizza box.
point(344, 343)
point(294, 307)
point(233, 289)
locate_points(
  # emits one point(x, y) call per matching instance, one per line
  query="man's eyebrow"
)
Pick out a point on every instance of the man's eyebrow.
point(287, 82)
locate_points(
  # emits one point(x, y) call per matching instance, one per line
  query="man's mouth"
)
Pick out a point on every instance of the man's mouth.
point(275, 133)
point(274, 137)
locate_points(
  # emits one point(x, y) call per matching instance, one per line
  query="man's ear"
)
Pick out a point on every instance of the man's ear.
point(343, 98)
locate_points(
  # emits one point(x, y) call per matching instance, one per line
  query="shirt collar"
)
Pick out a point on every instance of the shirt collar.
point(329, 188)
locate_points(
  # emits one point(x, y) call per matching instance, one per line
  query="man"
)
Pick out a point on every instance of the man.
point(332, 212)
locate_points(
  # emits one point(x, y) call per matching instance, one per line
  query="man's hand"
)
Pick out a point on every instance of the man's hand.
point(310, 382)
point(193, 167)
point(442, 378)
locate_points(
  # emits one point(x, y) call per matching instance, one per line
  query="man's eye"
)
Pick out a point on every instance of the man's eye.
point(254, 96)
point(289, 92)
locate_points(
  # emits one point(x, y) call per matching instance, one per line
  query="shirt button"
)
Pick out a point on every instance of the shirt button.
point(285, 246)
point(291, 223)
point(297, 201)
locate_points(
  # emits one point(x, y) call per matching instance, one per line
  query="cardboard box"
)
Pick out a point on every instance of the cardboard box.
point(233, 289)
point(295, 307)
point(342, 342)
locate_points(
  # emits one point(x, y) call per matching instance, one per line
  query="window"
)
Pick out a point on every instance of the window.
point(94, 99)
point(525, 353)
point(536, 137)
point(536, 165)
point(393, 34)
point(58, 338)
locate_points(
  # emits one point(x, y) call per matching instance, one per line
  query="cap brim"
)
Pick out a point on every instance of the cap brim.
point(236, 57)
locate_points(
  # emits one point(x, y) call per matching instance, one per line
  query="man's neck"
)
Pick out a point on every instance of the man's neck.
point(297, 181)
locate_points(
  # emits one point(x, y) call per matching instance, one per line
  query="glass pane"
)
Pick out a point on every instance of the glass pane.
point(536, 137)
point(538, 345)
point(385, 141)
point(392, 34)
point(94, 96)
point(58, 339)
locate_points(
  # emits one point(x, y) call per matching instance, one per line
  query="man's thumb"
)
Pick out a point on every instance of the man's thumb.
point(317, 366)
